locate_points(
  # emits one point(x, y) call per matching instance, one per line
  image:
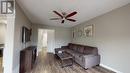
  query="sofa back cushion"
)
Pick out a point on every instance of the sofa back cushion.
point(80, 48)
point(75, 47)
point(83, 49)
point(70, 45)
point(90, 50)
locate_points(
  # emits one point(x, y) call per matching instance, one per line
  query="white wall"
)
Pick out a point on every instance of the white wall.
point(2, 33)
point(9, 45)
point(20, 21)
point(62, 35)
point(112, 37)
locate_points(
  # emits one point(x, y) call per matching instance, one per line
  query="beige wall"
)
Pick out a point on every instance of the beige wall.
point(62, 35)
point(20, 21)
point(2, 33)
point(112, 37)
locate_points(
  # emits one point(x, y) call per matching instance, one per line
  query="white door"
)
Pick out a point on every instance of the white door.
point(50, 41)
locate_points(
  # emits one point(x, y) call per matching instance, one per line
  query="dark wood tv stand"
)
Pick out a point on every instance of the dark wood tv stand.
point(27, 59)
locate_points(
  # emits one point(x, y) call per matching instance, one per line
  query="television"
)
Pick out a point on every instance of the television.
point(26, 34)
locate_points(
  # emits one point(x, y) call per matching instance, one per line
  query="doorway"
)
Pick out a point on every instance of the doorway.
point(46, 40)
point(3, 24)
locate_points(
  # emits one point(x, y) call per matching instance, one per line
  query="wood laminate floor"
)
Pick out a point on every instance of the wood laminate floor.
point(1, 70)
point(47, 63)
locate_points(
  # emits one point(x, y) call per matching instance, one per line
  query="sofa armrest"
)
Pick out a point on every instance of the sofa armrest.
point(89, 56)
point(91, 60)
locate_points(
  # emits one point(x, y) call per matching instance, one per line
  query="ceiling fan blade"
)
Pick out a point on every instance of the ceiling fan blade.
point(72, 20)
point(58, 14)
point(55, 18)
point(63, 21)
point(71, 14)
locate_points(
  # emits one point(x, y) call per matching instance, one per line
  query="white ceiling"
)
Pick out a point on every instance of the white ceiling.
point(40, 11)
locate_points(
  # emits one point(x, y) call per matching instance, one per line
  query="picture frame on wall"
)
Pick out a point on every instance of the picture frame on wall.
point(73, 34)
point(88, 31)
point(80, 32)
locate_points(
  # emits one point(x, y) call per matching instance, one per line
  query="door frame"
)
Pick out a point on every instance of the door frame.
point(47, 40)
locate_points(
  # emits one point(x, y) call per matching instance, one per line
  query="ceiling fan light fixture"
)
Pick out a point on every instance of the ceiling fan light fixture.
point(64, 13)
point(64, 16)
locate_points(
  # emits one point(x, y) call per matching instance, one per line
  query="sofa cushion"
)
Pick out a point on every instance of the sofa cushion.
point(78, 56)
point(95, 51)
point(87, 50)
point(69, 51)
point(90, 50)
point(80, 48)
point(75, 48)
point(70, 45)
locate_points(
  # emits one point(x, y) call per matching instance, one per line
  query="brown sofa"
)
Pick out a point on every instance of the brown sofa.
point(86, 56)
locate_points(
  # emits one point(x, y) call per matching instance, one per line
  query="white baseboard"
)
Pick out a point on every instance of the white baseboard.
point(110, 68)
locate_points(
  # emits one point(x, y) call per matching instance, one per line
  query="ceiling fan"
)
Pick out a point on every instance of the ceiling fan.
point(64, 16)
